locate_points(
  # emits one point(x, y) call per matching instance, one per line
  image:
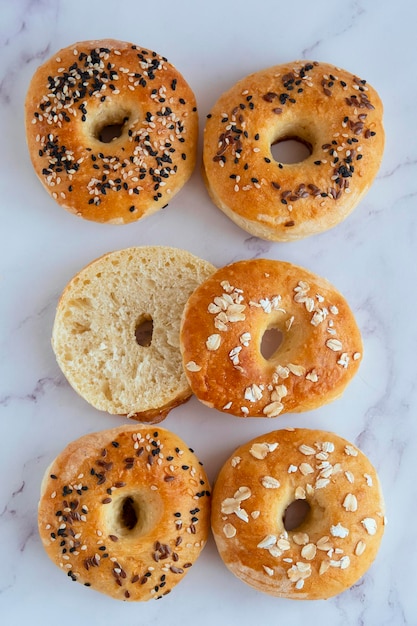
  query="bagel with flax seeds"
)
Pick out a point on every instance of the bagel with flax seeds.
point(335, 113)
point(112, 130)
point(318, 553)
point(222, 332)
point(116, 330)
point(125, 511)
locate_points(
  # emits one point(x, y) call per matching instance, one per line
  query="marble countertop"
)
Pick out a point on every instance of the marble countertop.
point(370, 257)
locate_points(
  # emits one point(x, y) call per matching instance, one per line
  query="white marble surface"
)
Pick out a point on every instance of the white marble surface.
point(371, 258)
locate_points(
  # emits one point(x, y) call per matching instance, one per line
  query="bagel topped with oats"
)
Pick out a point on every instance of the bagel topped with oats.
point(227, 354)
point(298, 513)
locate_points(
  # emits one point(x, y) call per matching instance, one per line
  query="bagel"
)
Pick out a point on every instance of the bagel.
point(336, 114)
point(116, 330)
point(125, 511)
point(312, 556)
point(92, 91)
point(222, 333)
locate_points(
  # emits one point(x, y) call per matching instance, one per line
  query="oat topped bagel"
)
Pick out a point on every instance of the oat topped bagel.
point(298, 513)
point(112, 130)
point(227, 320)
point(335, 113)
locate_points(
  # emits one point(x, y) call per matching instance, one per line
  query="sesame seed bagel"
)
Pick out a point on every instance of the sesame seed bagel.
point(92, 91)
point(116, 330)
point(336, 114)
point(227, 319)
point(125, 511)
point(327, 548)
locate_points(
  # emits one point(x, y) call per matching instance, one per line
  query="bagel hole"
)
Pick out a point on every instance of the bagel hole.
point(291, 150)
point(144, 332)
point(295, 514)
point(107, 133)
point(132, 514)
point(128, 514)
point(270, 342)
point(109, 124)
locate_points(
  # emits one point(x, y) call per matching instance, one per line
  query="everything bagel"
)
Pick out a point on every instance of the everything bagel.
point(89, 88)
point(335, 113)
point(223, 325)
point(125, 511)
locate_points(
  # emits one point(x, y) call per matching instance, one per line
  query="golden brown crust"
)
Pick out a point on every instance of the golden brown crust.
point(138, 172)
point(86, 521)
point(156, 416)
point(335, 112)
point(223, 324)
point(94, 333)
point(340, 536)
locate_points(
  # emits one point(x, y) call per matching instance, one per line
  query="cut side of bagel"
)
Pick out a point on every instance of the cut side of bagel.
point(116, 330)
